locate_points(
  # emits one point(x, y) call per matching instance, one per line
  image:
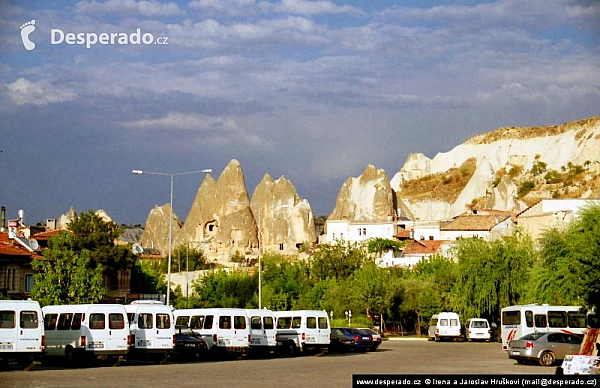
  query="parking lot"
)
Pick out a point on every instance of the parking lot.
point(323, 370)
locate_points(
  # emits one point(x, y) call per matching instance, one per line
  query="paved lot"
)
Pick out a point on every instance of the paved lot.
point(326, 370)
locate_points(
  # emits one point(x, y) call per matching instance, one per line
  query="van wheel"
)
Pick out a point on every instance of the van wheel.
point(437, 338)
point(69, 357)
point(289, 349)
point(547, 359)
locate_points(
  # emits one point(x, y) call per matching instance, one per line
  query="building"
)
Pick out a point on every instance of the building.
point(358, 231)
point(487, 227)
point(16, 273)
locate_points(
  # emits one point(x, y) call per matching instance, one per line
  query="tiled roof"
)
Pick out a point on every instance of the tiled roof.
point(47, 234)
point(418, 247)
point(474, 222)
point(9, 247)
point(403, 233)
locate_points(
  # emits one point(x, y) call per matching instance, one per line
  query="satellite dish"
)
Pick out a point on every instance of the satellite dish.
point(137, 249)
point(34, 244)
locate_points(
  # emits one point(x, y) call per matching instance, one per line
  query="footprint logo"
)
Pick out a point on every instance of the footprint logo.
point(27, 29)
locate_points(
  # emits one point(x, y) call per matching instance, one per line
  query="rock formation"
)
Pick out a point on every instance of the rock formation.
point(498, 152)
point(285, 221)
point(156, 232)
point(65, 219)
point(368, 198)
point(220, 220)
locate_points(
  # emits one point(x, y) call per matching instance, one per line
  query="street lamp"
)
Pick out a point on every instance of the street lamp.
point(348, 314)
point(170, 175)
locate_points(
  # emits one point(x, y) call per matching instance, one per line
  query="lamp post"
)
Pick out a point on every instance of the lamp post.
point(348, 314)
point(170, 175)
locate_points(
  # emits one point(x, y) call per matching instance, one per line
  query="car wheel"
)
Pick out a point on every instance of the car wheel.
point(547, 359)
point(520, 361)
point(289, 349)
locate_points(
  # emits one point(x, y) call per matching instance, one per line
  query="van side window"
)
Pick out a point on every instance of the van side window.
point(97, 321)
point(528, 319)
point(557, 319)
point(268, 323)
point(284, 322)
point(76, 324)
point(540, 320)
point(116, 321)
point(322, 323)
point(576, 319)
point(296, 322)
point(64, 321)
point(239, 322)
point(185, 320)
point(443, 322)
point(29, 320)
point(311, 323)
point(453, 322)
point(255, 323)
point(49, 321)
point(145, 321)
point(224, 322)
point(208, 322)
point(7, 319)
point(163, 321)
point(196, 322)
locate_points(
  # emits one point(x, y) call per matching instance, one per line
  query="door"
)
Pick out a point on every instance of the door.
point(9, 332)
point(117, 332)
point(258, 336)
point(164, 331)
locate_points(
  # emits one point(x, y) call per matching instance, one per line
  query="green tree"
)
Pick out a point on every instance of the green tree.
point(146, 279)
point(92, 233)
point(372, 290)
point(338, 260)
point(64, 276)
point(487, 272)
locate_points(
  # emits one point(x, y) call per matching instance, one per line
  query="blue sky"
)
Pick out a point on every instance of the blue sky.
point(312, 90)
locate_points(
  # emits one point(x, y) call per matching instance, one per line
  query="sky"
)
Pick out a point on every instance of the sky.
point(310, 90)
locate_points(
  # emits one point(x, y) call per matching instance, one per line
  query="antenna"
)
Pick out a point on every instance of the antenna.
point(137, 249)
point(34, 244)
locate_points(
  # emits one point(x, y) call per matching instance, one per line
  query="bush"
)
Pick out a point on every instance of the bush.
point(525, 188)
point(552, 177)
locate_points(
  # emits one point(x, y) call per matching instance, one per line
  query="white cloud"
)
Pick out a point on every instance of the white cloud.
point(23, 92)
point(149, 8)
point(306, 7)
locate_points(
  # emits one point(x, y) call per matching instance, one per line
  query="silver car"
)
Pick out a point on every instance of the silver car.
point(545, 348)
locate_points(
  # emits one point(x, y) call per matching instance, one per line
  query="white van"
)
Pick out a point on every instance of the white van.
point(301, 330)
point(84, 331)
point(152, 329)
point(223, 329)
point(448, 326)
point(263, 333)
point(21, 331)
point(433, 321)
point(477, 329)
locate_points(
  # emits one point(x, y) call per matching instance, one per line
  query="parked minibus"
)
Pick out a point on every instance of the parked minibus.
point(223, 329)
point(519, 320)
point(433, 321)
point(302, 330)
point(21, 331)
point(448, 326)
point(152, 329)
point(263, 333)
point(477, 329)
point(86, 331)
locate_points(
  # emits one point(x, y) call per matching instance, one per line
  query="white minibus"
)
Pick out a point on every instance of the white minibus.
point(152, 329)
point(477, 329)
point(263, 333)
point(86, 331)
point(519, 320)
point(302, 330)
point(433, 321)
point(223, 329)
point(448, 326)
point(21, 331)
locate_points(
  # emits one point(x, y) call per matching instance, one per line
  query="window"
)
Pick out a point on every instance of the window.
point(196, 323)
point(322, 323)
point(443, 322)
point(255, 323)
point(97, 321)
point(145, 321)
point(311, 323)
point(76, 324)
point(364, 231)
point(296, 322)
point(163, 321)
point(7, 319)
point(208, 322)
point(64, 321)
point(529, 318)
point(29, 320)
point(50, 321)
point(453, 322)
point(224, 322)
point(184, 320)
point(28, 282)
point(576, 319)
point(268, 323)
point(116, 321)
point(281, 246)
point(130, 317)
point(284, 322)
point(239, 322)
point(557, 319)
point(540, 320)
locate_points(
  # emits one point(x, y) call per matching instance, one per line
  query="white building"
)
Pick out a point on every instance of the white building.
point(357, 231)
point(488, 227)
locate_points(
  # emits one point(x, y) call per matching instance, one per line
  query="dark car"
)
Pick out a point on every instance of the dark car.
point(545, 348)
point(376, 337)
point(188, 345)
point(349, 338)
